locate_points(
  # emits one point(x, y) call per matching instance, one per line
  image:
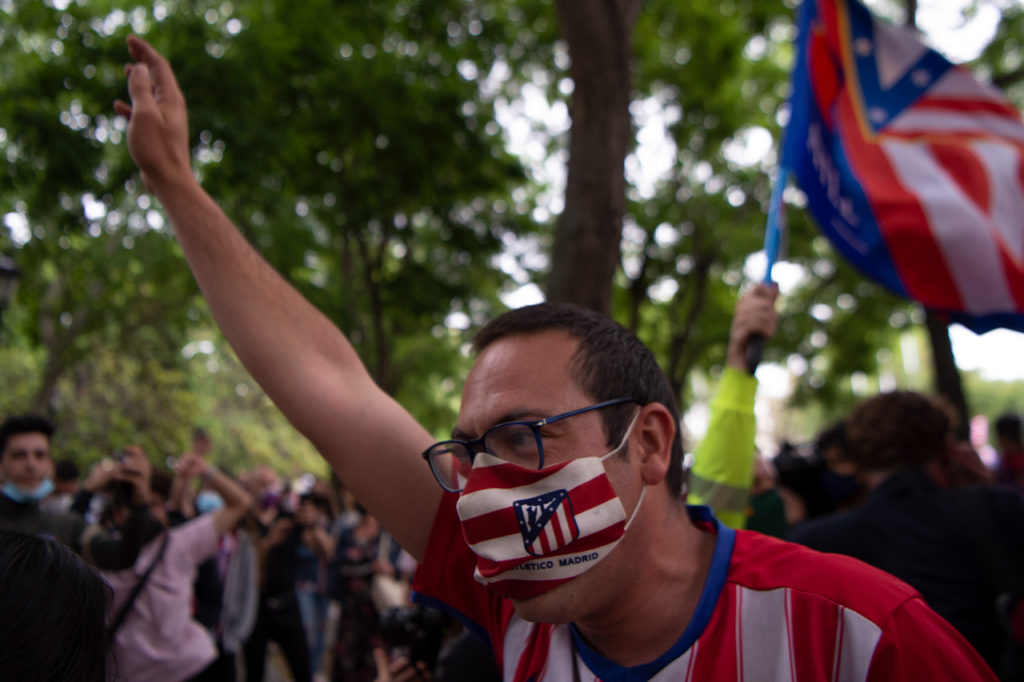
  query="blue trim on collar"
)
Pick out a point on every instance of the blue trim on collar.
point(609, 671)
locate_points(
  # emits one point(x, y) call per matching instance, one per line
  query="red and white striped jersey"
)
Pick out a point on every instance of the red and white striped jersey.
point(770, 611)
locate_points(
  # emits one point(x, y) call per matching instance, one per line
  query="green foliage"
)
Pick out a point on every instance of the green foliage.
point(19, 369)
point(1002, 60)
point(356, 146)
point(993, 398)
point(244, 426)
point(352, 145)
point(720, 68)
point(115, 400)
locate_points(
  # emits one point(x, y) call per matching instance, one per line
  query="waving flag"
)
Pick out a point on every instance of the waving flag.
point(912, 168)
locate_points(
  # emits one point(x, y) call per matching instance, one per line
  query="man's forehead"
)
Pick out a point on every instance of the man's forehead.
point(520, 377)
point(29, 440)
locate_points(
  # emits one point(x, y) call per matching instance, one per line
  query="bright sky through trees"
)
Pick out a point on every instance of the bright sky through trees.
point(999, 354)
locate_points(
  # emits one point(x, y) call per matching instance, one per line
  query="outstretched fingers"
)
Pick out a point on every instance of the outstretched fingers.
point(140, 89)
point(164, 86)
point(156, 113)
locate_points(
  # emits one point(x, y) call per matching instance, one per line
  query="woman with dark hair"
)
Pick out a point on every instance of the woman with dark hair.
point(52, 612)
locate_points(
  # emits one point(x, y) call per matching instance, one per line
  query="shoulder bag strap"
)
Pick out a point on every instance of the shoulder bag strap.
point(126, 607)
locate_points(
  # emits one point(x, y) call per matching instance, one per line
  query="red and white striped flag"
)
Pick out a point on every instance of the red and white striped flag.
point(912, 168)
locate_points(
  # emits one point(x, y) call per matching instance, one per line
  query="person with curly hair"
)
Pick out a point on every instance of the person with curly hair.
point(958, 546)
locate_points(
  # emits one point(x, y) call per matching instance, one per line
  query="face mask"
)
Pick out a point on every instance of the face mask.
point(208, 501)
point(22, 496)
point(533, 530)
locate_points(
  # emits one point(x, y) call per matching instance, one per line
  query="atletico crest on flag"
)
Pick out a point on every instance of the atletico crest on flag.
point(911, 167)
point(546, 522)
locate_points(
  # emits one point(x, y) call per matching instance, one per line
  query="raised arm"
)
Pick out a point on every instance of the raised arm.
point(723, 462)
point(180, 499)
point(236, 500)
point(303, 362)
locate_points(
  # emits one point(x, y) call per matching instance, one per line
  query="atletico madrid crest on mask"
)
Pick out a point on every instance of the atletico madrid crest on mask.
point(546, 522)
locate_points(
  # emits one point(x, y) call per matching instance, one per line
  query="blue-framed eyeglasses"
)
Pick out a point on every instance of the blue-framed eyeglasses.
point(518, 442)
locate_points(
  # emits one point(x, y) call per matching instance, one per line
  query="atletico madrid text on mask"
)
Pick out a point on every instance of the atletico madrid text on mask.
point(564, 561)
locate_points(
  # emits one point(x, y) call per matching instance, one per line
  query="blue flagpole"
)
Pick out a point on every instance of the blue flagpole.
point(773, 229)
point(772, 238)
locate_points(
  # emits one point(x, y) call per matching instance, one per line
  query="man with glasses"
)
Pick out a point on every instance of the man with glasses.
point(567, 543)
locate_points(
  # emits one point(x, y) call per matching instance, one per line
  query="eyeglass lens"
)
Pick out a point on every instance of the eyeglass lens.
point(513, 443)
point(451, 465)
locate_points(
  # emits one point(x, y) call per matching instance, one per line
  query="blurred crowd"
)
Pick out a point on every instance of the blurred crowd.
point(187, 572)
point(892, 486)
point(199, 574)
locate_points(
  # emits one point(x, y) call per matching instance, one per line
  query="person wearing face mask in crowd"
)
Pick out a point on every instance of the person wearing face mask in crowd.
point(27, 469)
point(226, 585)
point(558, 530)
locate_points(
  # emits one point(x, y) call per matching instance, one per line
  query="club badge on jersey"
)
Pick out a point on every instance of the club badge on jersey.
point(533, 530)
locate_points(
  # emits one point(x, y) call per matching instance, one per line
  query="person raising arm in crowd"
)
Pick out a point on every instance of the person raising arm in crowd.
point(558, 528)
point(155, 636)
point(723, 462)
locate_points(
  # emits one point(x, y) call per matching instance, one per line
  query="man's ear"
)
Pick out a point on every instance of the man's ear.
point(654, 433)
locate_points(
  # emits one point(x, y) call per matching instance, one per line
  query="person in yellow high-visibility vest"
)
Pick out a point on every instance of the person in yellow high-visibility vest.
point(723, 463)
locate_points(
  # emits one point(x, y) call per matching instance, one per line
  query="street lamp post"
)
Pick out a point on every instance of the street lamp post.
point(9, 275)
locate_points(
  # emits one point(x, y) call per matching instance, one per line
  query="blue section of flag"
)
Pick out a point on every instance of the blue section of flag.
point(813, 153)
point(885, 103)
point(878, 125)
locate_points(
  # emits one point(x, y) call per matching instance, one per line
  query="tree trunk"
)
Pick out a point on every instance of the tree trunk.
point(586, 249)
point(947, 376)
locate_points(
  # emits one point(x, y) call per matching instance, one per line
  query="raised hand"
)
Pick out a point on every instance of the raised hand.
point(755, 314)
point(136, 469)
point(157, 118)
point(190, 466)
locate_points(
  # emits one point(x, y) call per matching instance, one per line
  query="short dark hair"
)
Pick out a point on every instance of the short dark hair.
point(319, 501)
point(161, 482)
point(610, 362)
point(1008, 427)
point(897, 430)
point(52, 612)
point(24, 423)
point(66, 470)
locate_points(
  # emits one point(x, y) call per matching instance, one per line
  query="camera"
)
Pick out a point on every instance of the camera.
point(418, 629)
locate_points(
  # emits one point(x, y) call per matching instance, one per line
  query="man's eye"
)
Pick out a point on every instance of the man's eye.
point(515, 443)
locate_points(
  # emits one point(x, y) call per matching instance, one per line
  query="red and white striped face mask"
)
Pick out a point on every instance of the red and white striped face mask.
point(534, 529)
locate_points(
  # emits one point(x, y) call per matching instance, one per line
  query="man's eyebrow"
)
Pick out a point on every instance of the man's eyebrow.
point(530, 415)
